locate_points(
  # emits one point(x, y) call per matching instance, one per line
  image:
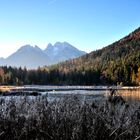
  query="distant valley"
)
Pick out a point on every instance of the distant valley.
point(34, 57)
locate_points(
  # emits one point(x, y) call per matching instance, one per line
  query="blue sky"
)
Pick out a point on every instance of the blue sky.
point(86, 24)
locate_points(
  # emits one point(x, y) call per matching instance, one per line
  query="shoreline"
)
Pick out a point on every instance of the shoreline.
point(64, 88)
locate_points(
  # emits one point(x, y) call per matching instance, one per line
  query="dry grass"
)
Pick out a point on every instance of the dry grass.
point(5, 88)
point(67, 119)
point(8, 88)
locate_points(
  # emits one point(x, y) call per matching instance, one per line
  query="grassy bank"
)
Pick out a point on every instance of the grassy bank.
point(68, 119)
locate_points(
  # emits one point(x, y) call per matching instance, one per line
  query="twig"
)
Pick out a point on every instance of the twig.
point(137, 138)
point(123, 132)
point(1, 133)
point(113, 132)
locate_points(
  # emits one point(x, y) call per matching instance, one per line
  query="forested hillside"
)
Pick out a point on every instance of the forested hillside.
point(116, 64)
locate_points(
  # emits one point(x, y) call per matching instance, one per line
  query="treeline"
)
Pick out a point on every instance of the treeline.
point(19, 76)
point(116, 75)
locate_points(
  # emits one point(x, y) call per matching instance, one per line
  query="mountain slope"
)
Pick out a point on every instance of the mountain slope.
point(62, 51)
point(116, 63)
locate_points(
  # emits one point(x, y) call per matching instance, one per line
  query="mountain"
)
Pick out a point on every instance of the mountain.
point(62, 51)
point(33, 57)
point(29, 56)
point(118, 63)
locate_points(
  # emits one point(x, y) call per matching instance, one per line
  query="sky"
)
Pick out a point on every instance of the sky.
point(87, 24)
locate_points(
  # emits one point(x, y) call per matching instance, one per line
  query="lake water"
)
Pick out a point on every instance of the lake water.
point(132, 94)
point(97, 94)
point(84, 92)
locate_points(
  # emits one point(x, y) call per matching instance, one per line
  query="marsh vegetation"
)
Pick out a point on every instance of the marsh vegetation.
point(68, 118)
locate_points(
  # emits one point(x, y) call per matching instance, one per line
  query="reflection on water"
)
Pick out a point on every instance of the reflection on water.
point(130, 94)
point(85, 93)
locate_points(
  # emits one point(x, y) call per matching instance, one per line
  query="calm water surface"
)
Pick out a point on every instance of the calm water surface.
point(84, 92)
point(97, 94)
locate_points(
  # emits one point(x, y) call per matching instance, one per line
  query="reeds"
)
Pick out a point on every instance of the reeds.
point(68, 118)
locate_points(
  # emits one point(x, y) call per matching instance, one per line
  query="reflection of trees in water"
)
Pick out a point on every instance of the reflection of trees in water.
point(130, 94)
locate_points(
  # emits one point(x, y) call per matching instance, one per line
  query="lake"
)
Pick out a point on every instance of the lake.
point(84, 92)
